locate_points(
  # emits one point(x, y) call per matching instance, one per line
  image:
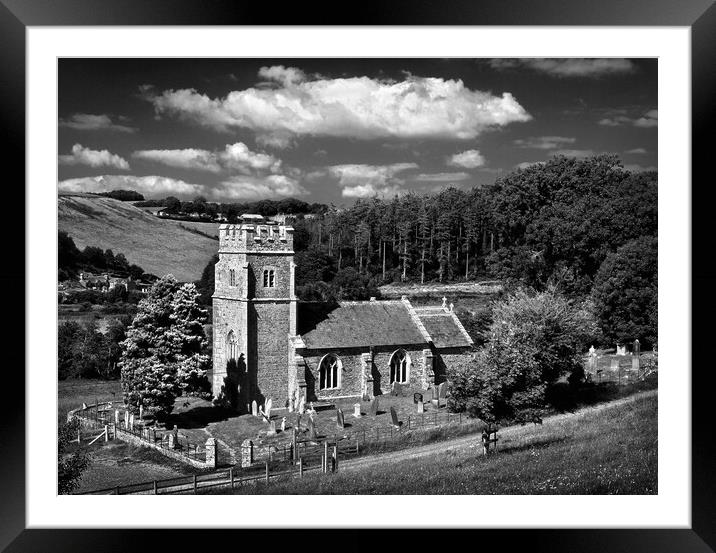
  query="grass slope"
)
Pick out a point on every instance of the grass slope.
point(157, 245)
point(609, 449)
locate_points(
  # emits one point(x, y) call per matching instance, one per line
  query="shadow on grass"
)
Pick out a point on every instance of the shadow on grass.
point(540, 443)
point(199, 417)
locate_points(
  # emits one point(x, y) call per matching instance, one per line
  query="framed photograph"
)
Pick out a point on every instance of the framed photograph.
point(395, 155)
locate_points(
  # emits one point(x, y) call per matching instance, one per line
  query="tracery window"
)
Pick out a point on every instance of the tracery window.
point(232, 346)
point(399, 364)
point(329, 373)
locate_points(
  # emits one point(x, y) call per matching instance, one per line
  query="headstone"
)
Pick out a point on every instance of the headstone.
point(311, 428)
point(421, 408)
point(394, 417)
point(141, 411)
point(247, 453)
point(131, 421)
point(254, 408)
point(340, 421)
point(272, 429)
point(172, 441)
point(444, 305)
point(636, 362)
point(211, 453)
point(267, 410)
point(417, 398)
point(126, 419)
point(291, 405)
point(637, 347)
point(116, 417)
point(452, 306)
point(442, 390)
point(84, 405)
point(592, 351)
point(621, 349)
point(283, 424)
point(356, 410)
point(374, 407)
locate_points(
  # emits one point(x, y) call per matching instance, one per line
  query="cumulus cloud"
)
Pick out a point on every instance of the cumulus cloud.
point(357, 107)
point(647, 120)
point(636, 151)
point(151, 186)
point(574, 153)
point(93, 158)
point(234, 157)
point(441, 177)
point(364, 181)
point(568, 67)
point(90, 122)
point(468, 159)
point(526, 164)
point(255, 188)
point(544, 142)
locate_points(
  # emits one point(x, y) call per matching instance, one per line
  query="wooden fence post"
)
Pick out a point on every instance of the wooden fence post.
point(335, 458)
point(300, 467)
point(267, 472)
point(155, 487)
point(231, 476)
point(106, 433)
point(195, 484)
point(325, 456)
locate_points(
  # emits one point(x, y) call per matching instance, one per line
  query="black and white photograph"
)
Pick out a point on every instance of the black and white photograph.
point(357, 276)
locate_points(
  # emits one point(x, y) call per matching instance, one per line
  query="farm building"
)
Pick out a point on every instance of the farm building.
point(267, 345)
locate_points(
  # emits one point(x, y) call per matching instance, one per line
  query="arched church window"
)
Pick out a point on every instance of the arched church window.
point(399, 365)
point(232, 346)
point(329, 372)
point(269, 278)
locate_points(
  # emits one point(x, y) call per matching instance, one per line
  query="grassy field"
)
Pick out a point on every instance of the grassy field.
point(71, 394)
point(602, 450)
point(157, 245)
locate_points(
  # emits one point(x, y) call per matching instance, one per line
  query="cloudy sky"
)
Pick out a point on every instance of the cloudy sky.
point(333, 130)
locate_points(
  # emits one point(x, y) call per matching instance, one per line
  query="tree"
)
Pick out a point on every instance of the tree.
point(625, 292)
point(535, 339)
point(162, 354)
point(70, 465)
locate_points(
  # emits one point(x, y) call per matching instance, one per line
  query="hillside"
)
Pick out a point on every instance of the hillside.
point(158, 246)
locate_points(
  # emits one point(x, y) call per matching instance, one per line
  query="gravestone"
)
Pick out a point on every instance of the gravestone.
point(126, 419)
point(272, 429)
point(84, 405)
point(247, 453)
point(311, 428)
point(340, 421)
point(374, 407)
point(141, 411)
point(267, 410)
point(211, 453)
point(592, 360)
point(417, 398)
point(614, 364)
point(637, 347)
point(131, 421)
point(394, 417)
point(356, 410)
point(444, 305)
point(621, 349)
point(254, 409)
point(291, 405)
point(283, 424)
point(421, 408)
point(116, 417)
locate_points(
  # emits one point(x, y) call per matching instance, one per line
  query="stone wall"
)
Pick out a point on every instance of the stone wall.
point(269, 327)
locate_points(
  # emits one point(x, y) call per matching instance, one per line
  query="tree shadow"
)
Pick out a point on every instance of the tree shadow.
point(198, 417)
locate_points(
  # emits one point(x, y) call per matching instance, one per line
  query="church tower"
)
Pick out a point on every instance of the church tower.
point(254, 311)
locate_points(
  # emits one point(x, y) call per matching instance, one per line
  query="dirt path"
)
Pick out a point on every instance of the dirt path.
point(472, 439)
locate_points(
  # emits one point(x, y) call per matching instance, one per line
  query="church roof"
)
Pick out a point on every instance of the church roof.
point(361, 324)
point(379, 323)
point(444, 328)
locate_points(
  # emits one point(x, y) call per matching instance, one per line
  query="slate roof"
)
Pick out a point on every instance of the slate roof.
point(444, 328)
point(360, 324)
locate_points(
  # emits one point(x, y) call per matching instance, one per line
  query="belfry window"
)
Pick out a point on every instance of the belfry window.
point(399, 363)
point(269, 278)
point(329, 373)
point(232, 277)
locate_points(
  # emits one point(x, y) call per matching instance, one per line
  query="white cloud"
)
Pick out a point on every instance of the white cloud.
point(636, 151)
point(234, 157)
point(357, 107)
point(526, 164)
point(363, 181)
point(544, 142)
point(93, 158)
point(255, 188)
point(90, 122)
point(150, 186)
point(468, 159)
point(568, 67)
point(441, 177)
point(648, 120)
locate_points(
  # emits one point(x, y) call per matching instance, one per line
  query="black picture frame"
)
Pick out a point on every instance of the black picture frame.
point(699, 15)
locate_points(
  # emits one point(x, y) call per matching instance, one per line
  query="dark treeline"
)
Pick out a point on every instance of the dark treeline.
point(123, 195)
point(232, 211)
point(71, 261)
point(555, 221)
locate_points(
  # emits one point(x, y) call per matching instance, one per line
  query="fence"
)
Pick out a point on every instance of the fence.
point(104, 415)
point(288, 460)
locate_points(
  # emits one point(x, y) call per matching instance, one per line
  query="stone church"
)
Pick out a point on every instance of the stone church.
point(267, 345)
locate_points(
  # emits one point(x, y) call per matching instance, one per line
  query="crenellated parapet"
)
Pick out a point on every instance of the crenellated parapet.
point(255, 236)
